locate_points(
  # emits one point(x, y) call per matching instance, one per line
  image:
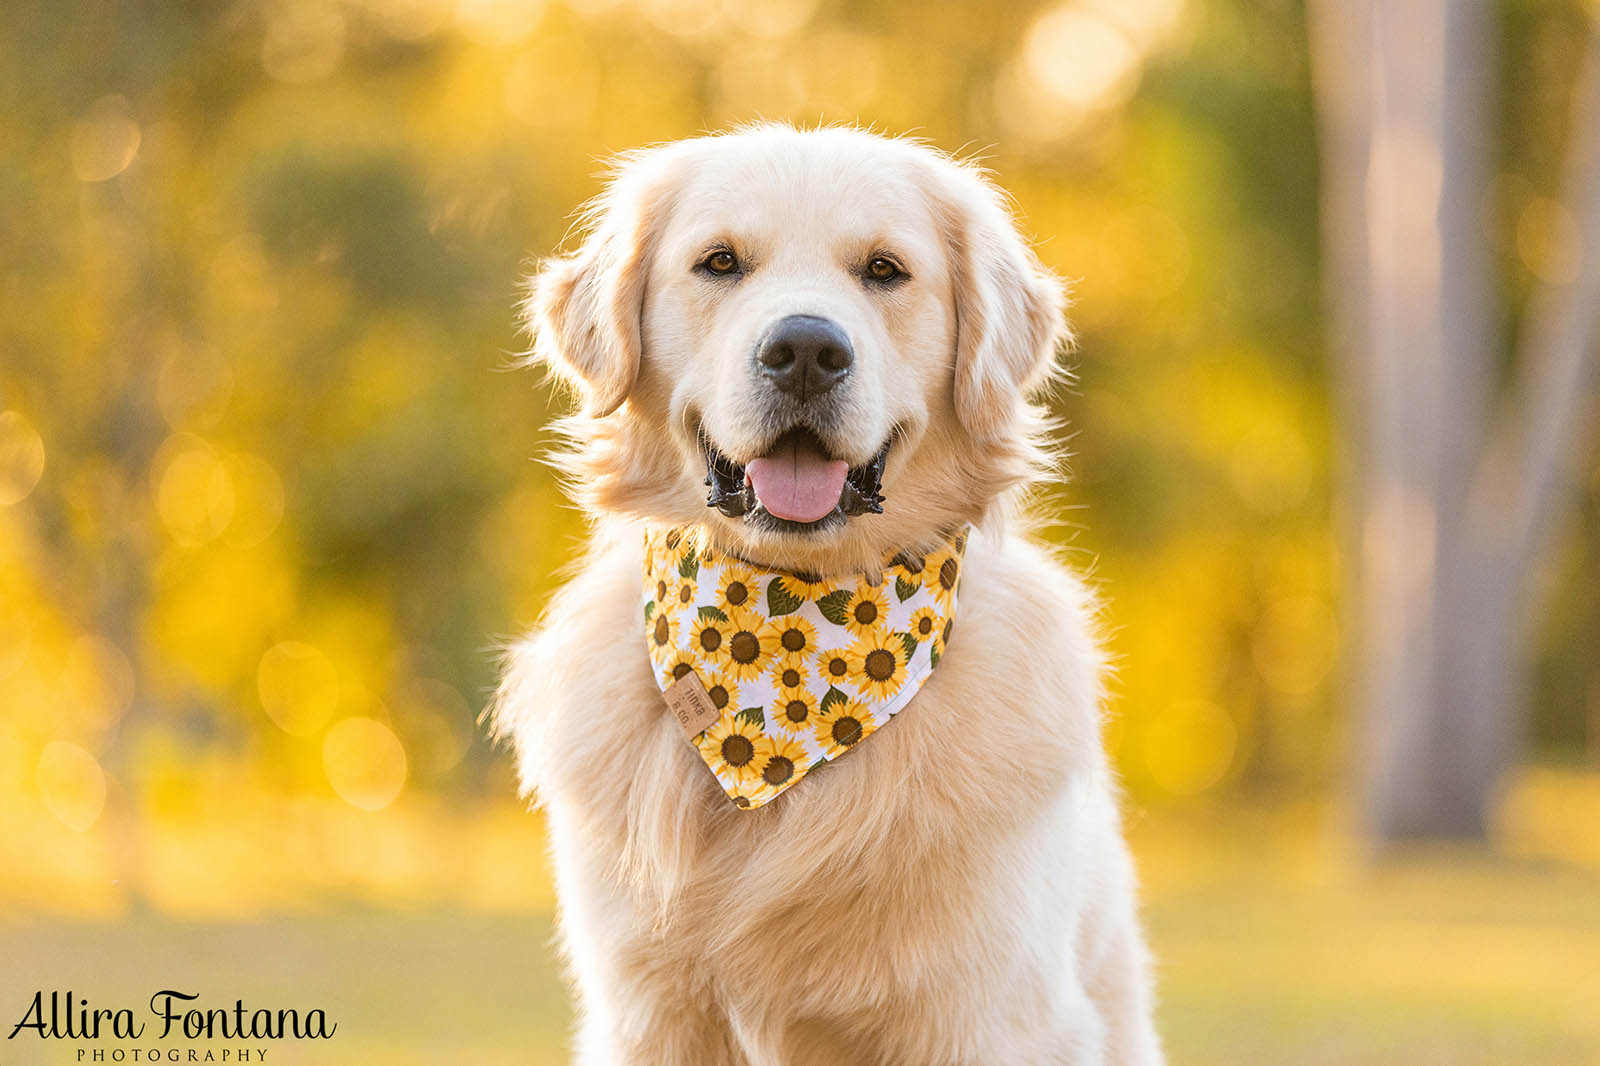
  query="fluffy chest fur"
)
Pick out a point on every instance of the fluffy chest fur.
point(972, 844)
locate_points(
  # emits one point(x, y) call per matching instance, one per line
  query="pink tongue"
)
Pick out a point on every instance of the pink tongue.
point(797, 481)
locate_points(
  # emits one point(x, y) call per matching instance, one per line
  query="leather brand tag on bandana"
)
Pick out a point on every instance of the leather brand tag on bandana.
point(691, 705)
point(771, 674)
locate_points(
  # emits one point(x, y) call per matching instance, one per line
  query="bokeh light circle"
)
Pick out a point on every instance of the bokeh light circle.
point(365, 762)
point(499, 22)
point(303, 41)
point(71, 784)
point(21, 457)
point(1295, 644)
point(258, 499)
point(436, 723)
point(195, 496)
point(298, 686)
point(1189, 746)
point(1080, 57)
point(105, 140)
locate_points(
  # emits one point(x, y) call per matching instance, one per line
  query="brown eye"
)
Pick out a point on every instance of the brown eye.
point(880, 268)
point(722, 262)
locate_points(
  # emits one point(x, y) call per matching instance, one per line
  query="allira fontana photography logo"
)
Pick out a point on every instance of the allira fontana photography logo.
point(172, 1015)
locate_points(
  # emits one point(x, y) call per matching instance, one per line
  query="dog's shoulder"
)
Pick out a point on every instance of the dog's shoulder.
point(1024, 666)
point(1033, 612)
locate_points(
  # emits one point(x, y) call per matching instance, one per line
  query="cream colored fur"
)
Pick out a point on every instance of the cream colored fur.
point(955, 892)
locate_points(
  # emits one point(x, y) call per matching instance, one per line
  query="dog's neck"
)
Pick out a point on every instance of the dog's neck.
point(833, 566)
point(851, 553)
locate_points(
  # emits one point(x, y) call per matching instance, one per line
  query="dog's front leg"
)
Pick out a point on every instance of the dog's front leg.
point(640, 1002)
point(1120, 988)
point(643, 1028)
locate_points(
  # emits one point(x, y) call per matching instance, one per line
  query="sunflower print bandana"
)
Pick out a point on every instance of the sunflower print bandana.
point(796, 670)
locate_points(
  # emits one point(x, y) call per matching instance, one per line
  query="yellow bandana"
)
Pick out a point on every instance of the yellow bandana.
point(771, 674)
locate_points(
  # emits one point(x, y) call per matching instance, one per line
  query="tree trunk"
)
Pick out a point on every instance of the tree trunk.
point(1444, 518)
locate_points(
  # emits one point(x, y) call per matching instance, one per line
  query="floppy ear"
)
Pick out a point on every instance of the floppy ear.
point(584, 308)
point(1009, 308)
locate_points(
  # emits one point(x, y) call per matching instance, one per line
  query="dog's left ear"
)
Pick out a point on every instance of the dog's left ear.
point(1010, 309)
point(584, 309)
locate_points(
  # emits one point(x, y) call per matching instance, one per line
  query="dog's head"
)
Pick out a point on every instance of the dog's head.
point(816, 345)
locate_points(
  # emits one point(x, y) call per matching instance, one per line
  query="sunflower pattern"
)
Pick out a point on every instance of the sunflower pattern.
point(800, 668)
point(877, 663)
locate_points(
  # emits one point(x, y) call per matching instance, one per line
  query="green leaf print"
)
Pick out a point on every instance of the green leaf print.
point(781, 601)
point(833, 605)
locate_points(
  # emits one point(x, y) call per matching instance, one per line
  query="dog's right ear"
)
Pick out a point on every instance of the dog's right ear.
point(584, 309)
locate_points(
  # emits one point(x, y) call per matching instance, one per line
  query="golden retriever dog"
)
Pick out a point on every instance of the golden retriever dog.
point(831, 337)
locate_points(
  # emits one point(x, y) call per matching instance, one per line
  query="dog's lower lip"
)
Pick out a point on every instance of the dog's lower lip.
point(732, 493)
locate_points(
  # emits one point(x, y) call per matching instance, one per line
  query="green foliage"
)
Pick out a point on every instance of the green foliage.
point(369, 210)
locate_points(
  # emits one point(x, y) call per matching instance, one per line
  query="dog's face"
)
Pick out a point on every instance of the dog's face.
point(814, 344)
point(799, 308)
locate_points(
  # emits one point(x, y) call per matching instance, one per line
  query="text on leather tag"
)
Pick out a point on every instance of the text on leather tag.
point(691, 705)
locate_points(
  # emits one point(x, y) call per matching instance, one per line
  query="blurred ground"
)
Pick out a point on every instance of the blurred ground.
point(1278, 944)
point(1281, 944)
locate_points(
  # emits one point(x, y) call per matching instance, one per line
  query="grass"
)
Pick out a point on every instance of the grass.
point(1280, 945)
point(1277, 943)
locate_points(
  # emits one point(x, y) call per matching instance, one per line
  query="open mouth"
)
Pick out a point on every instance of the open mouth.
point(795, 485)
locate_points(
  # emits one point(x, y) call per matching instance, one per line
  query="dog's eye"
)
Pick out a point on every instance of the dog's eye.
point(882, 268)
point(721, 263)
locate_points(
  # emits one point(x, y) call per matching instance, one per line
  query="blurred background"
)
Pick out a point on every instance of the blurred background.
point(269, 499)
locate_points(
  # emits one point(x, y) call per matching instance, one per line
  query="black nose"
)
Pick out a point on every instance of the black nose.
point(805, 356)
